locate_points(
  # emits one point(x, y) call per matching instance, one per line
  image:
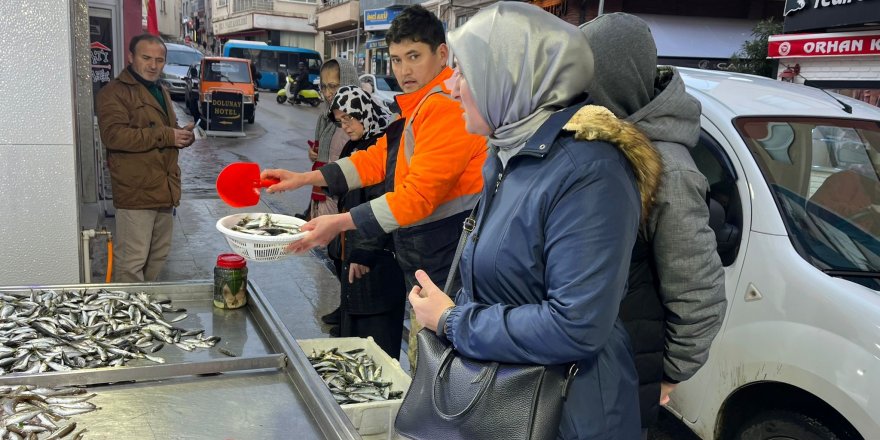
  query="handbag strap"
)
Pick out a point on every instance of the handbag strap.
point(467, 228)
point(487, 375)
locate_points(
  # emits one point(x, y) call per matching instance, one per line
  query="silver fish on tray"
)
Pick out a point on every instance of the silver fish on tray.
point(48, 330)
point(29, 412)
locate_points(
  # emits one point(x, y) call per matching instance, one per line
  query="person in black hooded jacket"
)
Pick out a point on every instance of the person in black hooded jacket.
point(675, 299)
point(372, 288)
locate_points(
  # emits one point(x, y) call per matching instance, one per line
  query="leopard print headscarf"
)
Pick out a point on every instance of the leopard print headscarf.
point(357, 103)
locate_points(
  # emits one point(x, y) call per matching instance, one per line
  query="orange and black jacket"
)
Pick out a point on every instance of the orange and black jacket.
point(437, 173)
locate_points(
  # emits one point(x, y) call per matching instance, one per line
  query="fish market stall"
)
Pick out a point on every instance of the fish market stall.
point(245, 378)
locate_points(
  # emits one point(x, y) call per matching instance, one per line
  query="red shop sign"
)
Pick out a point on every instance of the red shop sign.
point(824, 45)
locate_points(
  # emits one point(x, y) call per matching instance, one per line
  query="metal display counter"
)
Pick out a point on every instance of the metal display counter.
point(269, 391)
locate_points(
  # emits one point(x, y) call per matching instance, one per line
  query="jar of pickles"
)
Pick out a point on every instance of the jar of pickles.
point(230, 281)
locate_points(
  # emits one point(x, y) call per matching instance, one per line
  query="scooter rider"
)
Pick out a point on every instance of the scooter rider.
point(302, 81)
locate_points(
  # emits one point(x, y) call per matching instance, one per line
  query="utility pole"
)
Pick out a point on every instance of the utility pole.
point(357, 49)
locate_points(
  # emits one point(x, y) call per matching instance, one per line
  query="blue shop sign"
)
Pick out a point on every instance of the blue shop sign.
point(379, 19)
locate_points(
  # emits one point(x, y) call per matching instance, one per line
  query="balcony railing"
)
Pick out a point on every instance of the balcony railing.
point(330, 4)
point(252, 6)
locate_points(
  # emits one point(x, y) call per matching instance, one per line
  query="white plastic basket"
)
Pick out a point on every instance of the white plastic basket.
point(259, 247)
point(373, 420)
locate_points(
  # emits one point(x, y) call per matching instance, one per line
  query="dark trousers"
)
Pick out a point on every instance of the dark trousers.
point(296, 89)
point(385, 328)
point(430, 247)
point(374, 305)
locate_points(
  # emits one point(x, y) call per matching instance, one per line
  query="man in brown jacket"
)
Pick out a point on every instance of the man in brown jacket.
point(139, 130)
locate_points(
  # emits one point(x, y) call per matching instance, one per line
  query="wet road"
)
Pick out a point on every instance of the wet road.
point(276, 140)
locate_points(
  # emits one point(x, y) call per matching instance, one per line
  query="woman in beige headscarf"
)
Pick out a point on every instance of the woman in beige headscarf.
point(545, 269)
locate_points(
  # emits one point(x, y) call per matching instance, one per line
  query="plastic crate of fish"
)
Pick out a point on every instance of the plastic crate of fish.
point(374, 420)
point(259, 247)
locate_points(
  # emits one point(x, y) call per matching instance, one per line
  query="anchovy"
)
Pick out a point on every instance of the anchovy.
point(56, 330)
point(352, 376)
point(264, 225)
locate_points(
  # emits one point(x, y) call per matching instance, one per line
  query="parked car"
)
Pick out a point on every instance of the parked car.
point(226, 75)
point(384, 87)
point(177, 63)
point(794, 205)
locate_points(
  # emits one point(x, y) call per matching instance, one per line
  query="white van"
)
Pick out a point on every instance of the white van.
point(795, 204)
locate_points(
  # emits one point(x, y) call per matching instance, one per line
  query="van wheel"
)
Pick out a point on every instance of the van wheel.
point(784, 425)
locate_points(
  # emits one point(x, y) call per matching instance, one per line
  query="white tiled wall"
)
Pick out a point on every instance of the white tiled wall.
point(39, 242)
point(835, 68)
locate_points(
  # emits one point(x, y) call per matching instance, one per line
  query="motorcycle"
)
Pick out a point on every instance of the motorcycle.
point(307, 94)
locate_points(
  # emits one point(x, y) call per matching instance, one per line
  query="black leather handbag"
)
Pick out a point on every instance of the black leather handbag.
point(454, 397)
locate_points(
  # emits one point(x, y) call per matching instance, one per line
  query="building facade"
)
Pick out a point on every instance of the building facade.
point(196, 22)
point(355, 30)
point(168, 19)
point(831, 45)
point(688, 33)
point(340, 21)
point(276, 22)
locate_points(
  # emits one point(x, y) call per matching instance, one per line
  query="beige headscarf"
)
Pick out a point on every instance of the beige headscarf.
point(522, 64)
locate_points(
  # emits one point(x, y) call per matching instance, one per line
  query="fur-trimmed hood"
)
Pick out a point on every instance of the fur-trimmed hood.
point(595, 123)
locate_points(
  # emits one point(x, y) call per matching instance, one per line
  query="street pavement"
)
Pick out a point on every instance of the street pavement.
point(300, 288)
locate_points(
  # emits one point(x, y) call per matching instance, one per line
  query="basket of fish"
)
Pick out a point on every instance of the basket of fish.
point(368, 384)
point(260, 237)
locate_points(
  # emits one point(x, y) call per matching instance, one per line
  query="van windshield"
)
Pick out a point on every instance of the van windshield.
point(182, 58)
point(824, 176)
point(227, 71)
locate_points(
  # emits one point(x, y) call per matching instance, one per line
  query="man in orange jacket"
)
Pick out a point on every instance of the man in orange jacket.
point(430, 164)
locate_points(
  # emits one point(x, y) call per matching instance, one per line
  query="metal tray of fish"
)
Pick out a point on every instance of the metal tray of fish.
point(267, 390)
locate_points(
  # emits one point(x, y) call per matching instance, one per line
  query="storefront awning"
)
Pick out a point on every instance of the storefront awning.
point(698, 37)
point(842, 44)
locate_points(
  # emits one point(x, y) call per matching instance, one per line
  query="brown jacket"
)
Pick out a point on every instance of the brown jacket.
point(139, 138)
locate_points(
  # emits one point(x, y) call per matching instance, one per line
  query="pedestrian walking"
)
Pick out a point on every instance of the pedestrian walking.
point(545, 267)
point(140, 132)
point(675, 300)
point(434, 174)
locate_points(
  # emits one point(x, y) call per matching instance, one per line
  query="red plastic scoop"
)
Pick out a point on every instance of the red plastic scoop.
point(239, 184)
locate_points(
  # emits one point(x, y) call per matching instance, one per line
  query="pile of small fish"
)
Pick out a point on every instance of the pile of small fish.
point(28, 412)
point(352, 376)
point(264, 225)
point(63, 330)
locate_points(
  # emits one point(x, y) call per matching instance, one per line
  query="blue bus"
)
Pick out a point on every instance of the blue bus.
point(268, 60)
